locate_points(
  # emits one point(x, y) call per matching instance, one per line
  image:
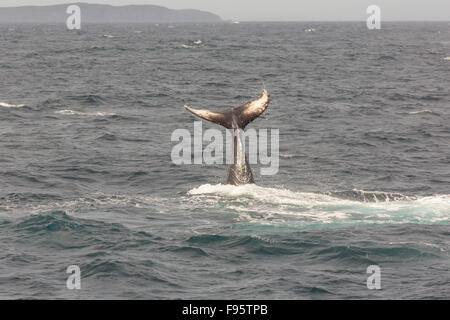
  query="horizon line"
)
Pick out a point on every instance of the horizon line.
point(223, 19)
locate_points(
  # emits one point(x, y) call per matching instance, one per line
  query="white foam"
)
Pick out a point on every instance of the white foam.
point(7, 105)
point(286, 155)
point(255, 203)
point(420, 111)
point(94, 114)
point(267, 195)
point(194, 44)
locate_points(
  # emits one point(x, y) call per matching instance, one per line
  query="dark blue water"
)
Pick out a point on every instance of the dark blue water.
point(86, 176)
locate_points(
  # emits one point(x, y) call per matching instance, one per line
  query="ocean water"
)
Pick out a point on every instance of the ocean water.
point(86, 176)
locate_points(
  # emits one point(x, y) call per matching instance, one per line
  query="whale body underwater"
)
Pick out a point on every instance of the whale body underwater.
point(236, 119)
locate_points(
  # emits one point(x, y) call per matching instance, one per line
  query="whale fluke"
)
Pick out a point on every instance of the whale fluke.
point(237, 119)
point(222, 118)
point(252, 109)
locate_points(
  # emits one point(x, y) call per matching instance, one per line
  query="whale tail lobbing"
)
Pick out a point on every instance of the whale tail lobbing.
point(237, 119)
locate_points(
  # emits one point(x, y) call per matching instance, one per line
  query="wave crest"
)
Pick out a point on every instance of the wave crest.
point(78, 113)
point(7, 105)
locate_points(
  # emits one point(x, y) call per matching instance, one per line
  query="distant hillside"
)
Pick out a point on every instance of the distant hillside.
point(99, 13)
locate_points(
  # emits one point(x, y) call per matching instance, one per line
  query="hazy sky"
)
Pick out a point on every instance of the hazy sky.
point(259, 10)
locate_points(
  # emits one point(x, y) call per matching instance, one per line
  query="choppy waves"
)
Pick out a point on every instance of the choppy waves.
point(82, 185)
point(251, 262)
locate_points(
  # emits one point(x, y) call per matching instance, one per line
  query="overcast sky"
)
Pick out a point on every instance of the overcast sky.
point(292, 10)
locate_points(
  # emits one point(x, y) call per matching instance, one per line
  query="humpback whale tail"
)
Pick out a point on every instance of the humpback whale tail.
point(237, 119)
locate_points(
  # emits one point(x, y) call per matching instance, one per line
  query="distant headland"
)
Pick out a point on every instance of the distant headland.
point(101, 13)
